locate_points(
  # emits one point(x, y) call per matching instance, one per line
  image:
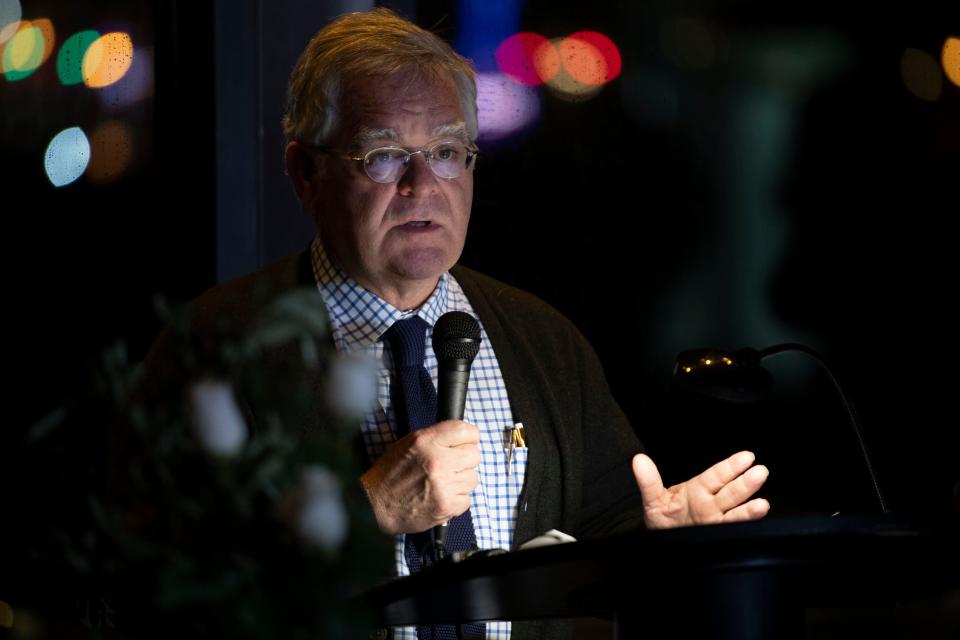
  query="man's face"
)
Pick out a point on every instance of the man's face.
point(376, 232)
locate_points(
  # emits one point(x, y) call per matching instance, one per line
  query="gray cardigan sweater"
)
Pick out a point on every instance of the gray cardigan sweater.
point(578, 476)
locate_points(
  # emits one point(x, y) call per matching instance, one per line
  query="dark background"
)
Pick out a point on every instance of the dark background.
point(759, 173)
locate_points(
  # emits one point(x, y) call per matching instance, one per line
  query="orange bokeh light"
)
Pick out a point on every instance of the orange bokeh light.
point(591, 57)
point(583, 61)
point(47, 33)
point(107, 60)
point(111, 151)
point(950, 59)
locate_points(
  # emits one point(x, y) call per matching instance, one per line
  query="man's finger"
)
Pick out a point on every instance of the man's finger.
point(453, 433)
point(735, 492)
point(648, 479)
point(717, 476)
point(464, 457)
point(753, 510)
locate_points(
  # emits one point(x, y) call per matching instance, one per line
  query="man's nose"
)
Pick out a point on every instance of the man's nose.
point(418, 178)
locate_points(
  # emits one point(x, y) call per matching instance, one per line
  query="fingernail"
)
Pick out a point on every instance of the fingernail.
point(759, 473)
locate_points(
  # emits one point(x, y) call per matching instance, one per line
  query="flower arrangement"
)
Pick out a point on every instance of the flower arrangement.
point(156, 511)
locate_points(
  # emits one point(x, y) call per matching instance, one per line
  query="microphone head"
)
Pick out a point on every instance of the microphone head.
point(456, 336)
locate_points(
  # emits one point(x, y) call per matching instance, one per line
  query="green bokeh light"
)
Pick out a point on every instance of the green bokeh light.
point(30, 40)
point(70, 58)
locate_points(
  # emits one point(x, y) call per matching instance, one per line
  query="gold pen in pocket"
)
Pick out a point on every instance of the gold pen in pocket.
point(514, 440)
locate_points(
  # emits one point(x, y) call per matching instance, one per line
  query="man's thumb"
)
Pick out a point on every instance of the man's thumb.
point(648, 478)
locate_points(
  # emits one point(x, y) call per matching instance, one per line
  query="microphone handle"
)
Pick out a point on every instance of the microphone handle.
point(452, 379)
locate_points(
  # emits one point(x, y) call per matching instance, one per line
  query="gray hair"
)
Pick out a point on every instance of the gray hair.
point(373, 43)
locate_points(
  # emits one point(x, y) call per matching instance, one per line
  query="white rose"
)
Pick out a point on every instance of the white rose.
point(316, 509)
point(217, 420)
point(352, 385)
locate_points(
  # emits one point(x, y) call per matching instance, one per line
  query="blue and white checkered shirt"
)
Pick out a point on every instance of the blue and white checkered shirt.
point(358, 320)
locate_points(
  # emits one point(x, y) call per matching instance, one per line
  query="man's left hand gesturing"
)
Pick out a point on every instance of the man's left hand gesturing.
point(716, 495)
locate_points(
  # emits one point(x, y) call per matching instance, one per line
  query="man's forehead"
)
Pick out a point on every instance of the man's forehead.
point(415, 95)
point(381, 108)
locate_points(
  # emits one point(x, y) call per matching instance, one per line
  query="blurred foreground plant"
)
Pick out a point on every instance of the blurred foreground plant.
point(154, 509)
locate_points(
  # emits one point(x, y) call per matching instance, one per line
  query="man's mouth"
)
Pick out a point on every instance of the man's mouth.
point(417, 224)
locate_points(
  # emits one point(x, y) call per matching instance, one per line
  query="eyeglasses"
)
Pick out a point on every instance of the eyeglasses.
point(447, 160)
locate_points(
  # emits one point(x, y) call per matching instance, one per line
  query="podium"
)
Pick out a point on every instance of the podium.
point(747, 580)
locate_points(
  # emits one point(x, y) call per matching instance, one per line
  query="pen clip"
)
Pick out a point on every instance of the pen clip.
point(515, 439)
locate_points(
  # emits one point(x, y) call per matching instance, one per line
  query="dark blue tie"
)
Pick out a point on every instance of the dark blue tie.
point(415, 407)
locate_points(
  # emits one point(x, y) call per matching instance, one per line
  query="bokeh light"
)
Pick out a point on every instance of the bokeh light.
point(574, 68)
point(582, 61)
point(564, 85)
point(107, 60)
point(590, 57)
point(111, 150)
point(921, 74)
point(67, 156)
point(528, 58)
point(504, 107)
point(10, 14)
point(950, 57)
point(70, 57)
point(135, 86)
point(29, 48)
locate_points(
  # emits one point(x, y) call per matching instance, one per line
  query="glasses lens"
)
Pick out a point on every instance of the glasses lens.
point(448, 159)
point(386, 164)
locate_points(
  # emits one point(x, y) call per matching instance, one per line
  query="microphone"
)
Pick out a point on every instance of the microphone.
point(456, 342)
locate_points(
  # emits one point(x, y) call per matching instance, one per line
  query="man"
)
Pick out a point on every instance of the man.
point(381, 126)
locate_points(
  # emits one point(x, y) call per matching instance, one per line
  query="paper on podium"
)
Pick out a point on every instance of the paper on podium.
point(545, 539)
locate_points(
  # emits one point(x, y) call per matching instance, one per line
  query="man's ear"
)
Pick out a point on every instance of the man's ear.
point(303, 168)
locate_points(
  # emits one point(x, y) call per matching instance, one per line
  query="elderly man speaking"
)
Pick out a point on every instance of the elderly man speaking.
point(382, 123)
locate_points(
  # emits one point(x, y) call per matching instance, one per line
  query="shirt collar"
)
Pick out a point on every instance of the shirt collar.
point(358, 316)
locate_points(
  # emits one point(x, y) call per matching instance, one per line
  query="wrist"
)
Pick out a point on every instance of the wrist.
point(369, 484)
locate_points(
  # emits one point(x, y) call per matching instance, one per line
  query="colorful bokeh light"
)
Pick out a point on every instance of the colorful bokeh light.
point(29, 48)
point(135, 86)
point(70, 57)
point(111, 150)
point(528, 58)
point(504, 106)
point(107, 60)
point(575, 67)
point(590, 57)
point(10, 14)
point(565, 85)
point(950, 58)
point(582, 61)
point(67, 156)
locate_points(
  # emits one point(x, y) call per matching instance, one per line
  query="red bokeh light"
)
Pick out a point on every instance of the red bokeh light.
point(529, 58)
point(591, 57)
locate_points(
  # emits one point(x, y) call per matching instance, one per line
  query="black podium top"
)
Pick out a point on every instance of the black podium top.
point(815, 561)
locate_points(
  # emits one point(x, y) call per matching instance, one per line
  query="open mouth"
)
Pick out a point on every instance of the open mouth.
point(417, 224)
